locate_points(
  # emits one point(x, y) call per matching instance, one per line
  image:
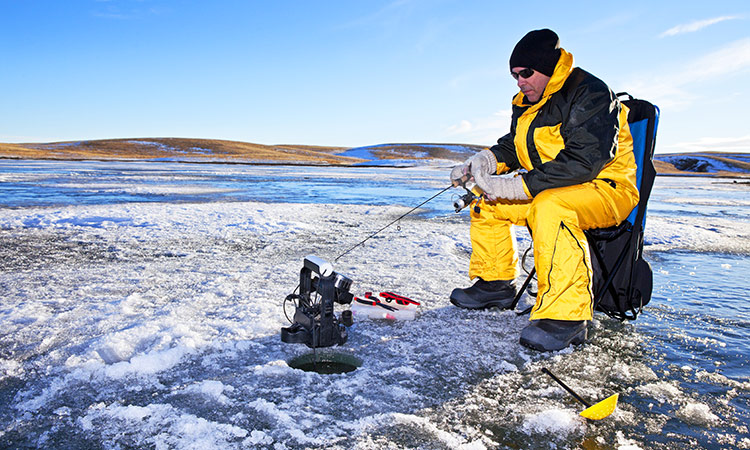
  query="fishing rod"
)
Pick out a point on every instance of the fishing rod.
point(314, 323)
point(459, 204)
point(392, 222)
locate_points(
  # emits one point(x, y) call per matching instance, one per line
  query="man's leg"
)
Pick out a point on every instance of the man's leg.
point(494, 257)
point(494, 254)
point(557, 219)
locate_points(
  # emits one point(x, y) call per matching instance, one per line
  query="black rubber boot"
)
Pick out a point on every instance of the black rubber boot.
point(549, 335)
point(485, 294)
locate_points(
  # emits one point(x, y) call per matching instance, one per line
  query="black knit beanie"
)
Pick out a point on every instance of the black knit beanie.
point(538, 50)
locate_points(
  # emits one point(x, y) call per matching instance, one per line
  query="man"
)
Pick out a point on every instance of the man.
point(569, 166)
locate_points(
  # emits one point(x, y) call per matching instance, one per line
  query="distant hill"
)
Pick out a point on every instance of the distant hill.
point(222, 151)
point(707, 163)
point(410, 154)
point(178, 149)
point(213, 150)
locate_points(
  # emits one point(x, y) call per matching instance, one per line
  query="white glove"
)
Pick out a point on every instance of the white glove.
point(484, 163)
point(497, 187)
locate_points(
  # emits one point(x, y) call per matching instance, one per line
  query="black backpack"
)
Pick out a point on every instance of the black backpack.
point(623, 280)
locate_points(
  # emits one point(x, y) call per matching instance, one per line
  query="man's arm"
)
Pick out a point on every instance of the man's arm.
point(505, 152)
point(590, 134)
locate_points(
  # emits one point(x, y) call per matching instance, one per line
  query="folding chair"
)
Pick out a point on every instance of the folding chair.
point(623, 280)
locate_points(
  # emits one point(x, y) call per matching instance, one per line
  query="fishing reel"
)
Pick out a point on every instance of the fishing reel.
point(467, 198)
point(314, 323)
point(464, 200)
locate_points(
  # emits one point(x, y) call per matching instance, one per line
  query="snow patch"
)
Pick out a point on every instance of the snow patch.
point(168, 427)
point(155, 325)
point(624, 443)
point(149, 363)
point(211, 389)
point(698, 414)
point(661, 391)
point(557, 422)
point(10, 368)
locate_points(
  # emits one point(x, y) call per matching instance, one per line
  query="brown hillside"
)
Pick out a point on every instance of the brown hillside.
point(205, 150)
point(665, 167)
point(223, 151)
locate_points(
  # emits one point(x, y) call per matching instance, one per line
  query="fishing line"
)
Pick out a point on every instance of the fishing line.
point(295, 298)
point(394, 221)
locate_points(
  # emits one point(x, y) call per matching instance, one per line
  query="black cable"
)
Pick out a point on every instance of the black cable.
point(528, 272)
point(292, 298)
point(523, 258)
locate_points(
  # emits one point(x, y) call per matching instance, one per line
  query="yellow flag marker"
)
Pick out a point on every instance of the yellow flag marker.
point(601, 409)
point(593, 412)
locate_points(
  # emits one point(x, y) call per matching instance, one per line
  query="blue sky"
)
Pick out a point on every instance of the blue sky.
point(354, 73)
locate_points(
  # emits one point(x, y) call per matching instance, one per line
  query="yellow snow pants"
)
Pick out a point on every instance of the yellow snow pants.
point(556, 218)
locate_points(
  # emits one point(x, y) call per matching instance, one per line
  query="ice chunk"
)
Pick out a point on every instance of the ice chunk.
point(10, 368)
point(697, 414)
point(661, 391)
point(559, 422)
point(624, 443)
point(212, 389)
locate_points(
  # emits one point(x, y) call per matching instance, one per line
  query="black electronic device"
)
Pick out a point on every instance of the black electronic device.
point(314, 323)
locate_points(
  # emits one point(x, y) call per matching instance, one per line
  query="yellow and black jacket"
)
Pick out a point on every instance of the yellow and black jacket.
point(570, 136)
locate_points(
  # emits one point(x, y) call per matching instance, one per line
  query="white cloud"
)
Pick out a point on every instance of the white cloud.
point(463, 127)
point(118, 10)
point(673, 89)
point(481, 130)
point(695, 26)
point(732, 58)
point(388, 16)
point(739, 144)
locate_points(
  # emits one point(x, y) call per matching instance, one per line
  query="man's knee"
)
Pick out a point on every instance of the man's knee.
point(500, 212)
point(548, 205)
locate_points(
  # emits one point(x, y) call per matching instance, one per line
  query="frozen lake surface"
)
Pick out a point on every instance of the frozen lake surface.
point(141, 308)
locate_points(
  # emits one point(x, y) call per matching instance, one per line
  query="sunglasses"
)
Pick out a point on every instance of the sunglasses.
point(525, 73)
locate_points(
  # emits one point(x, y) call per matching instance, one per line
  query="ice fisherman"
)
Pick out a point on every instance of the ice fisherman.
point(567, 165)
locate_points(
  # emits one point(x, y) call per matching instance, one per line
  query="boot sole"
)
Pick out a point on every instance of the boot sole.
point(578, 339)
point(498, 304)
point(503, 303)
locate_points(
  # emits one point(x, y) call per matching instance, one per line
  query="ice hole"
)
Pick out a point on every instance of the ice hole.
point(326, 363)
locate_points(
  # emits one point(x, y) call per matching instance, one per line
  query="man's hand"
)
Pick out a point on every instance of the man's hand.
point(497, 187)
point(482, 163)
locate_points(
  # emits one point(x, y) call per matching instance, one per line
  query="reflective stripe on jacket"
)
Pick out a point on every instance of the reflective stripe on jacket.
point(576, 132)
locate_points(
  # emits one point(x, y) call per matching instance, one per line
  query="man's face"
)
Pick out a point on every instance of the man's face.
point(533, 86)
